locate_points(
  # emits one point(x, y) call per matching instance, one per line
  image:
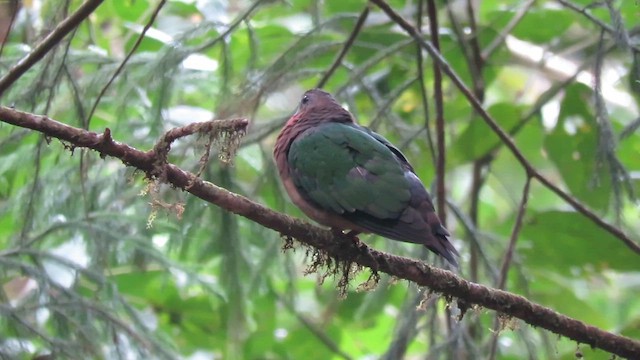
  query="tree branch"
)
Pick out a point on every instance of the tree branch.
point(340, 248)
point(345, 49)
point(612, 30)
point(48, 43)
point(502, 36)
point(423, 87)
point(506, 262)
point(439, 106)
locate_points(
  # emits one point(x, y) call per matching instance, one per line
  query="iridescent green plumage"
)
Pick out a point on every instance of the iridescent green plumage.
point(341, 167)
point(346, 176)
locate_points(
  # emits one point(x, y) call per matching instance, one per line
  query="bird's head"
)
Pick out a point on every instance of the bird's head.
point(319, 106)
point(315, 99)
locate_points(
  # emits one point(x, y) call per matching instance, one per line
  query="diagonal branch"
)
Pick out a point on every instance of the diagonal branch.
point(340, 248)
point(502, 36)
point(614, 31)
point(126, 59)
point(506, 262)
point(48, 43)
point(345, 49)
point(239, 20)
point(504, 137)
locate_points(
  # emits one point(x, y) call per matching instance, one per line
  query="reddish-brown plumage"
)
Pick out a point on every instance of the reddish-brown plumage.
point(323, 109)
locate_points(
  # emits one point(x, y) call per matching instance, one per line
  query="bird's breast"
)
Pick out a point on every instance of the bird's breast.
point(319, 215)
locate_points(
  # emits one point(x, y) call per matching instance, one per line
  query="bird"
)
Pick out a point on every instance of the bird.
point(347, 177)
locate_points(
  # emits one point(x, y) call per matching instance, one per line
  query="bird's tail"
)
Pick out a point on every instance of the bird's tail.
point(442, 246)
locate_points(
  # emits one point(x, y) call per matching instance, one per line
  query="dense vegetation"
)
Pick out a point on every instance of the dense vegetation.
point(96, 261)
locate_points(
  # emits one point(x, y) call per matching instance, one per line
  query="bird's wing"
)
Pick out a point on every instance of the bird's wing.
point(344, 169)
point(352, 172)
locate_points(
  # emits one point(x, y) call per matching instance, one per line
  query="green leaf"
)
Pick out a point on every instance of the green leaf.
point(130, 10)
point(477, 139)
point(556, 22)
point(572, 146)
point(563, 241)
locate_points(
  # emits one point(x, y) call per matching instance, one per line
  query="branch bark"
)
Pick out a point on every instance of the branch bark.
point(340, 248)
point(438, 100)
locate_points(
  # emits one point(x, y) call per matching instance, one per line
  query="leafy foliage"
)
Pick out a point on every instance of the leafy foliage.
point(97, 262)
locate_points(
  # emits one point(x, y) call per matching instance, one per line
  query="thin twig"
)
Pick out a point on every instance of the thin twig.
point(544, 99)
point(33, 192)
point(604, 26)
point(406, 324)
point(14, 7)
point(347, 45)
point(439, 105)
point(438, 100)
point(478, 177)
point(587, 15)
point(164, 144)
point(504, 137)
point(356, 74)
point(48, 43)
point(388, 100)
point(231, 28)
point(475, 63)
point(515, 20)
point(606, 149)
point(146, 28)
point(475, 236)
point(514, 234)
point(478, 60)
point(423, 87)
point(318, 332)
point(629, 129)
point(508, 256)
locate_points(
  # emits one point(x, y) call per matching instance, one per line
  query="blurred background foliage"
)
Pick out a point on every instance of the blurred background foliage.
point(97, 263)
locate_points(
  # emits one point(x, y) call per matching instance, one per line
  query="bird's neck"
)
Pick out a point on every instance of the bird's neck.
point(301, 122)
point(290, 132)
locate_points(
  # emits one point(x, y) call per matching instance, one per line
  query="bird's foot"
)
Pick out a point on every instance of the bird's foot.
point(362, 247)
point(351, 235)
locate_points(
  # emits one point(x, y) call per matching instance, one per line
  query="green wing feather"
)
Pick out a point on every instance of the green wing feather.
point(343, 168)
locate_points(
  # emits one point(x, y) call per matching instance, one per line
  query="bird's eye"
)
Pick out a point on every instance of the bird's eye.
point(305, 99)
